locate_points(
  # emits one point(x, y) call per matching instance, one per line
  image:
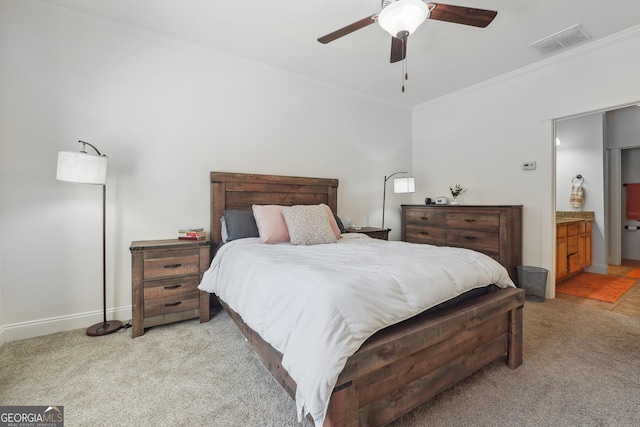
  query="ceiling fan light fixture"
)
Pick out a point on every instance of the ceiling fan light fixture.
point(403, 17)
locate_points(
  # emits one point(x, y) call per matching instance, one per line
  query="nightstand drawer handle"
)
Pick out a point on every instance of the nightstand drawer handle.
point(426, 233)
point(173, 304)
point(470, 237)
point(424, 218)
point(470, 220)
point(172, 266)
point(172, 287)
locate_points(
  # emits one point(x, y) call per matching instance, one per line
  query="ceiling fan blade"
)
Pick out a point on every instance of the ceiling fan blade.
point(348, 29)
point(398, 49)
point(462, 15)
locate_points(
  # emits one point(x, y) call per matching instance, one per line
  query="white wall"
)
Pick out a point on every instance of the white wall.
point(166, 113)
point(581, 151)
point(479, 137)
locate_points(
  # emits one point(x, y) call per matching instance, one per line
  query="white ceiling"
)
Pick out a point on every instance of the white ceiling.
point(442, 57)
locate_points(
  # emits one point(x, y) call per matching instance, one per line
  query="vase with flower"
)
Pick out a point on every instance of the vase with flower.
point(456, 192)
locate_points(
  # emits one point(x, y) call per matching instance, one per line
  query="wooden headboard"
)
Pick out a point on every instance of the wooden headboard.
point(240, 191)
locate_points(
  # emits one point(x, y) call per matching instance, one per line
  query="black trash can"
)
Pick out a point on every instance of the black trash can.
point(534, 282)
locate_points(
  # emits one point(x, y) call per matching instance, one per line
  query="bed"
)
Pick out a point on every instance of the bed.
point(398, 367)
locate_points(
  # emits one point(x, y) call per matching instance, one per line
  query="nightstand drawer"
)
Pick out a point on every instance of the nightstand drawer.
point(481, 241)
point(155, 268)
point(171, 287)
point(477, 221)
point(424, 217)
point(428, 235)
point(171, 304)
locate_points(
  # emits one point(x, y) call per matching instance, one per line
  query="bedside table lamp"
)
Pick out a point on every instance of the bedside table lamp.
point(400, 185)
point(88, 168)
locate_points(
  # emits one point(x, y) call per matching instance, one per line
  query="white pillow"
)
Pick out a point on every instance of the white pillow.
point(308, 224)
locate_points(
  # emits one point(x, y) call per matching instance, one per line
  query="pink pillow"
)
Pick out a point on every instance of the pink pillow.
point(270, 222)
point(332, 222)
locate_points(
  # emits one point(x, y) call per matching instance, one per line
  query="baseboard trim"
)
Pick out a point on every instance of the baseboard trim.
point(597, 268)
point(36, 328)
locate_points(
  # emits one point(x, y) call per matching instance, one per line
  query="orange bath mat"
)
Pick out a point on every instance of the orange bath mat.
point(634, 273)
point(596, 286)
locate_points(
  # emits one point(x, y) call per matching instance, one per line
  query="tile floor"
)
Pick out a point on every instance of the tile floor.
point(628, 304)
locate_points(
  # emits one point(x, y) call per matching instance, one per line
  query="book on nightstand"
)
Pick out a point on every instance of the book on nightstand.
point(192, 234)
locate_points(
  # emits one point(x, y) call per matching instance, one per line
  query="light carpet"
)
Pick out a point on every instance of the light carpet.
point(581, 368)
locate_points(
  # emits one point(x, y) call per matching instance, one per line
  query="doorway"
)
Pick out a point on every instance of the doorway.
point(604, 148)
point(622, 149)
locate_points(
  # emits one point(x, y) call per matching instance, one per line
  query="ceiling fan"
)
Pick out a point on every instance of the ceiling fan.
point(400, 18)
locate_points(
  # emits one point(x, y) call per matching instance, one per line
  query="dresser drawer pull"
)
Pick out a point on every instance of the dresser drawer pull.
point(470, 220)
point(173, 304)
point(470, 237)
point(426, 233)
point(424, 218)
point(172, 265)
point(172, 287)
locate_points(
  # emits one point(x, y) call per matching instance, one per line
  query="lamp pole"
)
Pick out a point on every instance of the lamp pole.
point(384, 193)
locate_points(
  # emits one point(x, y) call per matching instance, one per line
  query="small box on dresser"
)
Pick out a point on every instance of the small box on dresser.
point(165, 275)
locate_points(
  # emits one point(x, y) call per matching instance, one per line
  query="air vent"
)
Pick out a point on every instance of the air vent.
point(562, 40)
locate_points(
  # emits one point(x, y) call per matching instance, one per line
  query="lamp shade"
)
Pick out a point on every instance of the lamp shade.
point(82, 168)
point(403, 16)
point(404, 185)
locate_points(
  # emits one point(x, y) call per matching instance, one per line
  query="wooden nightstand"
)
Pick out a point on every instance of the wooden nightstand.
point(376, 233)
point(165, 275)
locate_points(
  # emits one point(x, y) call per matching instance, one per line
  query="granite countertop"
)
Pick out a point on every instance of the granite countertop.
point(564, 217)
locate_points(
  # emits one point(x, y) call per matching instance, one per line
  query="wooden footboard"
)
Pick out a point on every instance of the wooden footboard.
point(406, 364)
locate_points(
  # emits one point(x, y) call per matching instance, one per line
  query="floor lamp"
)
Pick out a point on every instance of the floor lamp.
point(400, 185)
point(86, 168)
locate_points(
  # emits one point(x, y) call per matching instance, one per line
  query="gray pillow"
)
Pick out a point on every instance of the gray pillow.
point(238, 225)
point(339, 222)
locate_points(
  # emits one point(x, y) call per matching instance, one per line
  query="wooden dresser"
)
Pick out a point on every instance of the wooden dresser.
point(493, 230)
point(165, 275)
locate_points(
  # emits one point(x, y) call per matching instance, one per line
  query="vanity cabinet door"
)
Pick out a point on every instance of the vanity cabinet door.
point(561, 252)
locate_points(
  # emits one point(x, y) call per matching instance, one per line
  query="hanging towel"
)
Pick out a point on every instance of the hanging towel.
point(576, 199)
point(633, 201)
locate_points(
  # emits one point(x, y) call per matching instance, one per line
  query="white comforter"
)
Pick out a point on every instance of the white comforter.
point(318, 304)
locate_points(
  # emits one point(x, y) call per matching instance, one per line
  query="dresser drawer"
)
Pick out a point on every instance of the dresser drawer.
point(171, 304)
point(573, 229)
point(481, 241)
point(561, 231)
point(169, 266)
point(428, 235)
point(425, 217)
point(473, 220)
point(572, 245)
point(174, 286)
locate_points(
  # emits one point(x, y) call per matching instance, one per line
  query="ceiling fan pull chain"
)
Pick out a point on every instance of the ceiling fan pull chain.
point(406, 68)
